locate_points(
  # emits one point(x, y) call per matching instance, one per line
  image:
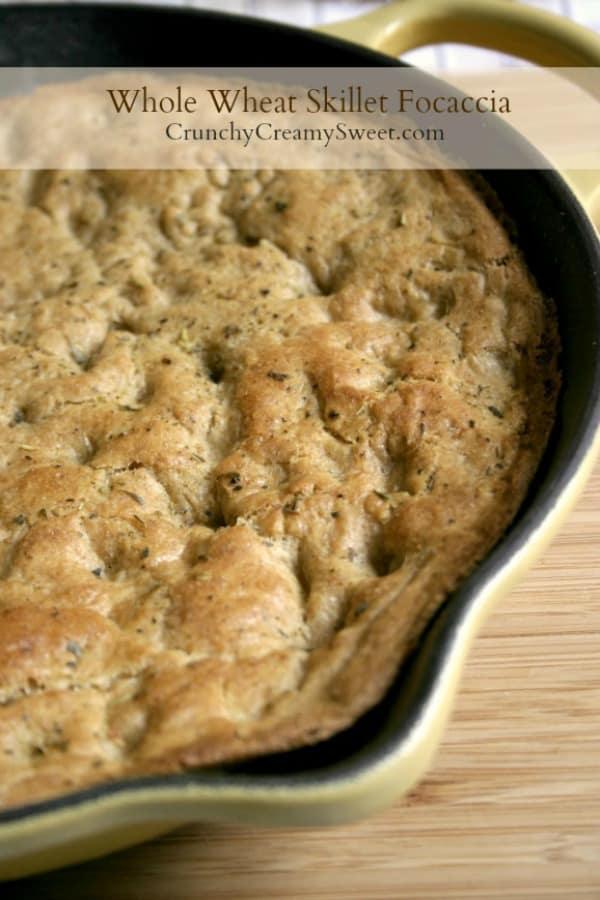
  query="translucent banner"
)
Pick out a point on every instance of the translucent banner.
point(372, 118)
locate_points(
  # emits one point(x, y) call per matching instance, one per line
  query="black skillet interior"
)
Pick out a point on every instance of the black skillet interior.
point(558, 242)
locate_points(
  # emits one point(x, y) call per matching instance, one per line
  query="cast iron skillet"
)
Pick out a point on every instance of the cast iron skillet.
point(560, 247)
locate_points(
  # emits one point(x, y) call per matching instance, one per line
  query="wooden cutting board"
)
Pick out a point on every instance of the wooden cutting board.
point(510, 810)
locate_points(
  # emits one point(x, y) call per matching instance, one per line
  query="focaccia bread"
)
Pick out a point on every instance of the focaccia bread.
point(254, 428)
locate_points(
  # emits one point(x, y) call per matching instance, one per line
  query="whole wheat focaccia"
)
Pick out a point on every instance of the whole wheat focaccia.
point(255, 426)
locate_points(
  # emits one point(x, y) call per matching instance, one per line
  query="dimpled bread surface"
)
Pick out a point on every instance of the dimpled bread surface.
point(255, 427)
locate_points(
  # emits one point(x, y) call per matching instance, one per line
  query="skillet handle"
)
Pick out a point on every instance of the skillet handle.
point(534, 34)
point(586, 184)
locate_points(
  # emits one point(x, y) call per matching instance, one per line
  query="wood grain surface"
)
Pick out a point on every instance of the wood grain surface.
point(510, 810)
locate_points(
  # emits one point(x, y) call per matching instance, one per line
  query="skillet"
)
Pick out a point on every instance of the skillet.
point(390, 747)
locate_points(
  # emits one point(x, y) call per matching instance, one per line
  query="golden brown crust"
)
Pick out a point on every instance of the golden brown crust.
point(254, 428)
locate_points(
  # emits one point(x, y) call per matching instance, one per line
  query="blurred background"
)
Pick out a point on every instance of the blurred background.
point(448, 56)
point(318, 12)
